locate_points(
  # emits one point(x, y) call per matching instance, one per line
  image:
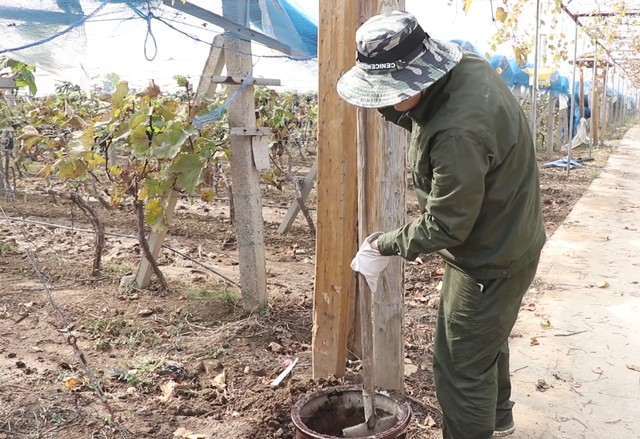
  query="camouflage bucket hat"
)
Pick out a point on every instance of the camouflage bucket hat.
point(396, 60)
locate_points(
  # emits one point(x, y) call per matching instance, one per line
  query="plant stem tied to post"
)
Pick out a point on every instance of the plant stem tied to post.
point(145, 246)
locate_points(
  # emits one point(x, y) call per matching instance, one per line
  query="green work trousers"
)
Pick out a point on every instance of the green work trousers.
point(471, 352)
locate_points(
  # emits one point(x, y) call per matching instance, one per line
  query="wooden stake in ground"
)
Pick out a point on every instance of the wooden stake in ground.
point(213, 67)
point(581, 94)
point(605, 105)
point(294, 208)
point(385, 202)
point(337, 193)
point(550, 123)
point(244, 175)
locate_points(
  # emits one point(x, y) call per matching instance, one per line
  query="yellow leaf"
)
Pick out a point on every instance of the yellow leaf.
point(143, 194)
point(155, 215)
point(603, 284)
point(115, 170)
point(93, 160)
point(521, 54)
point(546, 324)
point(207, 196)
point(73, 382)
point(534, 341)
point(44, 172)
point(501, 15)
point(467, 5)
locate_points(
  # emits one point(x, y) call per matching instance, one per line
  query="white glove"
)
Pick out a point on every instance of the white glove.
point(369, 262)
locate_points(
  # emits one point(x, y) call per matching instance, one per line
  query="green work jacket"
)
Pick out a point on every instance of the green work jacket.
point(475, 175)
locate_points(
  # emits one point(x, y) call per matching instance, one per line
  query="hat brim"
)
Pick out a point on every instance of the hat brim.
point(379, 90)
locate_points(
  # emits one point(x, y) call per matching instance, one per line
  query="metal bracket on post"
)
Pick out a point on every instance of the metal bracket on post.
point(253, 131)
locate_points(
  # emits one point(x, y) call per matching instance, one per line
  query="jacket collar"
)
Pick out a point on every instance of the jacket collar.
point(431, 100)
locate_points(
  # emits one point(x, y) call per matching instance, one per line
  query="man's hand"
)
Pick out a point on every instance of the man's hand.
point(369, 262)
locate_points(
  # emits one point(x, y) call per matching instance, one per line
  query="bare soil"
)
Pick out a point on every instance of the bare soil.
point(190, 361)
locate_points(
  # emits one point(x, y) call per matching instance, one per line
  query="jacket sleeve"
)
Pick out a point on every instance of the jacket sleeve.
point(400, 118)
point(460, 164)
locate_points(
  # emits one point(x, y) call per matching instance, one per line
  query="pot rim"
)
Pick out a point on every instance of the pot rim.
point(297, 421)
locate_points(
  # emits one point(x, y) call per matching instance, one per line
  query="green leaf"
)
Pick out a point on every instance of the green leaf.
point(166, 114)
point(118, 96)
point(140, 117)
point(26, 79)
point(155, 188)
point(71, 168)
point(188, 167)
point(139, 141)
point(181, 80)
point(171, 140)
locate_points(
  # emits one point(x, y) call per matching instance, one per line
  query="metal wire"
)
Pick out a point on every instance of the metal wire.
point(66, 328)
point(121, 235)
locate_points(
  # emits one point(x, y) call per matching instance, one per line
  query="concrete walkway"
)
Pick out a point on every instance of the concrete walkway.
point(576, 383)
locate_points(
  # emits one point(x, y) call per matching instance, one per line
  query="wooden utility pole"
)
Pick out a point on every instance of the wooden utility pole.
point(385, 203)
point(244, 174)
point(336, 190)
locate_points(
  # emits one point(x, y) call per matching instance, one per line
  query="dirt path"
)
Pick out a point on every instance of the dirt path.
point(576, 347)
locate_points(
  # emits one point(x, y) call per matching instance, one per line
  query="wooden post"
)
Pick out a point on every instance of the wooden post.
point(336, 189)
point(213, 67)
point(551, 122)
point(244, 175)
point(387, 211)
point(595, 113)
point(562, 123)
point(581, 95)
point(143, 276)
point(605, 99)
point(294, 209)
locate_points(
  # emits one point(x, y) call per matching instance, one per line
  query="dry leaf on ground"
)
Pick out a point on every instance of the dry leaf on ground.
point(167, 390)
point(429, 422)
point(534, 341)
point(220, 381)
point(633, 367)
